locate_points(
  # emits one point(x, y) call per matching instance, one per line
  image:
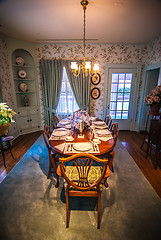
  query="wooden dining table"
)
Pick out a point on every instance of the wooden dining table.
point(105, 147)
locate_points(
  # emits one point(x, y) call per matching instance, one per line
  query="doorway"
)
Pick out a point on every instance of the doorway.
point(121, 94)
point(150, 81)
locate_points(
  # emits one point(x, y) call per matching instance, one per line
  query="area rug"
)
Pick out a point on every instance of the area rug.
point(31, 208)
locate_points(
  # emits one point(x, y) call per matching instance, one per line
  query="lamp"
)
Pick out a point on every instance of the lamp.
point(86, 66)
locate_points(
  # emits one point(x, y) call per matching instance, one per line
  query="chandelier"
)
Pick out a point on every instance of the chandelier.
point(86, 66)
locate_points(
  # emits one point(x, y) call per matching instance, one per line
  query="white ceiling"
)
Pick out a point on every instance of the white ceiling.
point(107, 21)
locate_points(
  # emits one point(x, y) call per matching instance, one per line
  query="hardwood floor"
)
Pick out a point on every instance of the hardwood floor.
point(19, 148)
point(131, 140)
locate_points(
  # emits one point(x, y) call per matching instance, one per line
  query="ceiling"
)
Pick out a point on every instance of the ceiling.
point(107, 21)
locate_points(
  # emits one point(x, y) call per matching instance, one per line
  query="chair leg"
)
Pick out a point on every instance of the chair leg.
point(99, 208)
point(2, 150)
point(9, 146)
point(67, 209)
point(111, 158)
point(50, 167)
point(55, 169)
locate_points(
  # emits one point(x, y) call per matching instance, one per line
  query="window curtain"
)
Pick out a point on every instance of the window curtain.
point(51, 77)
point(80, 86)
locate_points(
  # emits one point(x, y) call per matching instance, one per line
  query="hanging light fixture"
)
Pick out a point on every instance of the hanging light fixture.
point(86, 67)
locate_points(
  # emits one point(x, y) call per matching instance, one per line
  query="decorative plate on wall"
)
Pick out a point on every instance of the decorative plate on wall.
point(95, 93)
point(20, 61)
point(96, 78)
point(22, 74)
point(23, 87)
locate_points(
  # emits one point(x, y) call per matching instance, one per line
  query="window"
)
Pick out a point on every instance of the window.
point(67, 103)
point(120, 95)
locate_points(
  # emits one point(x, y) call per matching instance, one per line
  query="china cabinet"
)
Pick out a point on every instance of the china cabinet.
point(26, 94)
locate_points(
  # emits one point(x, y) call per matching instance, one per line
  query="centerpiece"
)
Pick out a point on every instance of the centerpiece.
point(6, 117)
point(153, 100)
point(81, 121)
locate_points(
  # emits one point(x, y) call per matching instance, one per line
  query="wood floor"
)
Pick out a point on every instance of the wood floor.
point(131, 140)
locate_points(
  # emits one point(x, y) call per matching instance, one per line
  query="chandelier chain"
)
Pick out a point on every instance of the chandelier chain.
point(84, 31)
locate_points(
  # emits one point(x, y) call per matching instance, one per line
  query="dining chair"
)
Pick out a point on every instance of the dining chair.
point(154, 139)
point(53, 159)
point(108, 121)
point(115, 133)
point(83, 178)
point(7, 141)
point(55, 121)
point(79, 110)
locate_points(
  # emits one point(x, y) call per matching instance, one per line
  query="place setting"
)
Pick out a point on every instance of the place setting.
point(59, 134)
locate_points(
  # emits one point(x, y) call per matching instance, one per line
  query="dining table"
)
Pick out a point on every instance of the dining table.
point(67, 142)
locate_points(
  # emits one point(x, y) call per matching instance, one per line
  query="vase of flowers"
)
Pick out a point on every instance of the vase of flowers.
point(153, 100)
point(6, 117)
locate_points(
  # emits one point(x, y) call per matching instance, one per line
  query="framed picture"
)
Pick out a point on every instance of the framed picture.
point(95, 93)
point(96, 78)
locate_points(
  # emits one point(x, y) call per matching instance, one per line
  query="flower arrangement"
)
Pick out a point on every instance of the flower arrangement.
point(154, 96)
point(6, 114)
point(79, 117)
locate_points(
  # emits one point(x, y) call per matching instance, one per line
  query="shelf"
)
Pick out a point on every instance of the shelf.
point(25, 66)
point(25, 92)
point(23, 79)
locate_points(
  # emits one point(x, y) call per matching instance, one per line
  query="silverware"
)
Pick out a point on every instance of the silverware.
point(71, 147)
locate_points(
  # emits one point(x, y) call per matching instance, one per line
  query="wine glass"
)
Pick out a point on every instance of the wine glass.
point(90, 134)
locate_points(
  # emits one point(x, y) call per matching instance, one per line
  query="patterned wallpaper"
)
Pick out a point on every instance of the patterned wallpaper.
point(102, 53)
point(5, 79)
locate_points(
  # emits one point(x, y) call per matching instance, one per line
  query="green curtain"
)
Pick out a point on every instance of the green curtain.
point(51, 78)
point(80, 86)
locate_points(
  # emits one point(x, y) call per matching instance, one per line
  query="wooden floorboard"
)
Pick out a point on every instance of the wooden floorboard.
point(19, 147)
point(131, 141)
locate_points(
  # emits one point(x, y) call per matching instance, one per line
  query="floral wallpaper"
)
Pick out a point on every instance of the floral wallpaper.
point(5, 79)
point(145, 54)
point(101, 53)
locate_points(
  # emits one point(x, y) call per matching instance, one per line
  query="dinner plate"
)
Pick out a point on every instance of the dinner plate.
point(101, 126)
point(22, 74)
point(99, 123)
point(20, 61)
point(59, 133)
point(82, 146)
point(103, 132)
point(64, 122)
point(23, 87)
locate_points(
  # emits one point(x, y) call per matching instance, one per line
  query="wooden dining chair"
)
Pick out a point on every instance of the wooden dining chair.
point(83, 178)
point(154, 139)
point(108, 121)
point(55, 121)
point(79, 110)
point(115, 133)
point(7, 141)
point(52, 155)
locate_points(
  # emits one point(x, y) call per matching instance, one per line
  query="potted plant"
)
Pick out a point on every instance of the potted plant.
point(153, 100)
point(6, 117)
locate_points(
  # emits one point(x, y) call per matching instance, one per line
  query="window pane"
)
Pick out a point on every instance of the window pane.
point(115, 77)
point(113, 106)
point(120, 97)
point(119, 105)
point(126, 96)
point(124, 115)
point(118, 115)
point(113, 96)
point(114, 87)
point(126, 106)
point(112, 113)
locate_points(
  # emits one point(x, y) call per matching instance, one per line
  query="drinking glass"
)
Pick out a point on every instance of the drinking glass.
point(90, 135)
